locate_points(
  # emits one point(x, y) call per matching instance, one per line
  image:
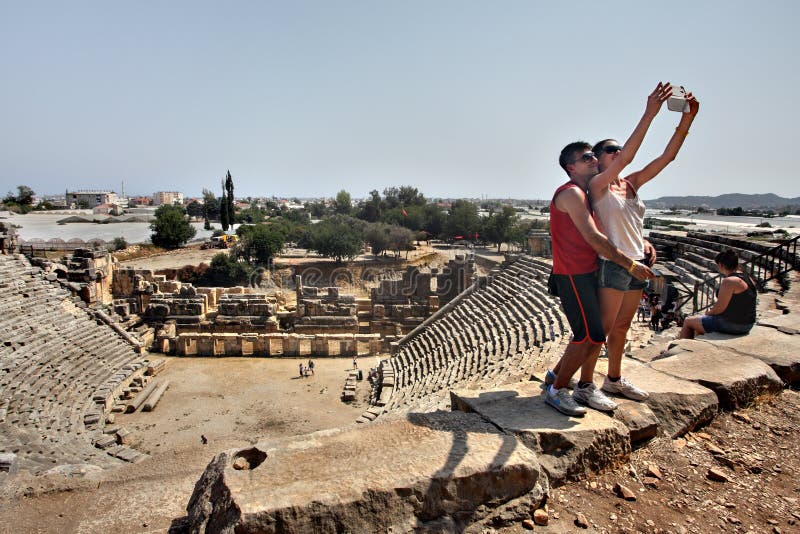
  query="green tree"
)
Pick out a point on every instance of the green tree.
point(434, 219)
point(251, 215)
point(400, 239)
point(337, 237)
point(22, 202)
point(343, 204)
point(210, 205)
point(463, 219)
point(410, 196)
point(194, 209)
point(226, 271)
point(24, 195)
point(498, 226)
point(377, 237)
point(259, 243)
point(171, 229)
point(119, 243)
point(295, 216)
point(316, 209)
point(370, 209)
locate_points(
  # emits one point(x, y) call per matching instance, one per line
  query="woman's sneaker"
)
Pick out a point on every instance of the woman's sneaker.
point(594, 398)
point(563, 402)
point(625, 388)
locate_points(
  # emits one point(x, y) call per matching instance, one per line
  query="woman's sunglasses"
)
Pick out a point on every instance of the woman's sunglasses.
point(612, 149)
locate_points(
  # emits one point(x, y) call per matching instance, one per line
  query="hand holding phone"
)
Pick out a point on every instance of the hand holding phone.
point(677, 102)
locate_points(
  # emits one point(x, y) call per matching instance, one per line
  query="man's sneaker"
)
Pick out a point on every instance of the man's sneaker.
point(625, 388)
point(550, 379)
point(594, 398)
point(563, 402)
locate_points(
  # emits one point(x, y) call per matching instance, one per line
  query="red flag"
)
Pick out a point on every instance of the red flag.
point(403, 211)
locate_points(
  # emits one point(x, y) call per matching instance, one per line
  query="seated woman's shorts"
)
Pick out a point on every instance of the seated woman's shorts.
point(615, 277)
point(715, 323)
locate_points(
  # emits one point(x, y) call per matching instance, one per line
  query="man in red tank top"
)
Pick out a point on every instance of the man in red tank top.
point(576, 243)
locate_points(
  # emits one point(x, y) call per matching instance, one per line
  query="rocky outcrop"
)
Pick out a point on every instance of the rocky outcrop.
point(395, 474)
point(680, 405)
point(738, 380)
point(568, 447)
point(778, 349)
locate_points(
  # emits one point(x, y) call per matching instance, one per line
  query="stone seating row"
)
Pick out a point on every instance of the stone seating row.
point(508, 320)
point(54, 356)
point(696, 251)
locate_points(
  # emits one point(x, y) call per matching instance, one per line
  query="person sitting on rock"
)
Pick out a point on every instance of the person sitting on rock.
point(734, 311)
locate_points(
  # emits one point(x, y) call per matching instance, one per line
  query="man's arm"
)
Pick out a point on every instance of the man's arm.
point(600, 182)
point(572, 201)
point(639, 178)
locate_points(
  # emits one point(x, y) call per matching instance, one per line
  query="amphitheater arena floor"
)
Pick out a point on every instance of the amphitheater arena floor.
point(232, 401)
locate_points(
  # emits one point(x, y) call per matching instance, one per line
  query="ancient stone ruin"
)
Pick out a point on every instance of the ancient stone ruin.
point(456, 434)
point(459, 436)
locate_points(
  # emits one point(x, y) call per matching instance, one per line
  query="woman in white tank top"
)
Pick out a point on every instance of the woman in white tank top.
point(619, 213)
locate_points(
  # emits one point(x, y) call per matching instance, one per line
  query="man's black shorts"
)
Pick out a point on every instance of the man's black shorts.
point(578, 294)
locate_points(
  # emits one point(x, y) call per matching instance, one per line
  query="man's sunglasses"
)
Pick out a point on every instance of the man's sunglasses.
point(612, 149)
point(586, 157)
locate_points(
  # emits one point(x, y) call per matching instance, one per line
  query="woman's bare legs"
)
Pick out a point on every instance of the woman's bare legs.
point(691, 327)
point(618, 332)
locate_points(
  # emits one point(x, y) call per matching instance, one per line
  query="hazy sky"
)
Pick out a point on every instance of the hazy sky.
point(457, 98)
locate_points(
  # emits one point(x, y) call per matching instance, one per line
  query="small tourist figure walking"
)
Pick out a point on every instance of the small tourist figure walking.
point(311, 366)
point(644, 308)
point(302, 370)
point(355, 362)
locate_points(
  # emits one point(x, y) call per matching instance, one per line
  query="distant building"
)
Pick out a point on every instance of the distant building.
point(167, 197)
point(107, 209)
point(90, 199)
point(141, 201)
point(58, 201)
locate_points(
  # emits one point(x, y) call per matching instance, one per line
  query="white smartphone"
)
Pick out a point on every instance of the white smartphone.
point(677, 102)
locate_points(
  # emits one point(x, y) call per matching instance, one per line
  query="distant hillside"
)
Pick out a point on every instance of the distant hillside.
point(730, 200)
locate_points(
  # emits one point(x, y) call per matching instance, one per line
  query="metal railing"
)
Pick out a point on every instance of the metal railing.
point(769, 265)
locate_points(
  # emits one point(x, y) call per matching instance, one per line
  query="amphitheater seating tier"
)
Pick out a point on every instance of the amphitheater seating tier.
point(495, 335)
point(58, 369)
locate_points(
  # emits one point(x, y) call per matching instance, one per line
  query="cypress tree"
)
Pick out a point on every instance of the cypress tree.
point(223, 210)
point(230, 206)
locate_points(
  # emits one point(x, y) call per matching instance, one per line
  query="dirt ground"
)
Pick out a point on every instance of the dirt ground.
point(194, 255)
point(754, 485)
point(234, 402)
point(245, 399)
point(175, 259)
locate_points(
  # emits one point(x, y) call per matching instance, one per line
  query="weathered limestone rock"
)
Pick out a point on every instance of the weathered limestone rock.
point(568, 447)
point(642, 423)
point(779, 350)
point(679, 405)
point(736, 379)
point(788, 324)
point(390, 475)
